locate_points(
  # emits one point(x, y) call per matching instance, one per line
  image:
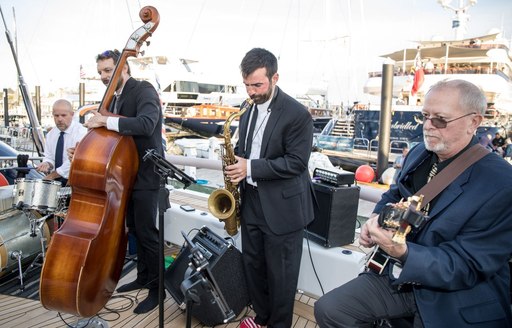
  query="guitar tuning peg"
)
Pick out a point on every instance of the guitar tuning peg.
point(142, 52)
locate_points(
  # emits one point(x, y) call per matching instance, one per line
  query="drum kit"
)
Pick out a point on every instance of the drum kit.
point(24, 230)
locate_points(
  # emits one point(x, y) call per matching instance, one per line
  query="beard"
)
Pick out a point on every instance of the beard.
point(264, 97)
point(435, 147)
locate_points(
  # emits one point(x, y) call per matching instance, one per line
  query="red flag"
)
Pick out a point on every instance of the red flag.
point(419, 74)
point(419, 77)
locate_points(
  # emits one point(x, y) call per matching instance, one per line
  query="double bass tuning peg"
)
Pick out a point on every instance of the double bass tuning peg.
point(142, 52)
point(148, 43)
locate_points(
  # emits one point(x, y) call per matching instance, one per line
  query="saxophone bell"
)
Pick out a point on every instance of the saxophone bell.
point(221, 204)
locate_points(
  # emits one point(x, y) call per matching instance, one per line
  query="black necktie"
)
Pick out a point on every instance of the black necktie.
point(250, 136)
point(59, 150)
point(113, 105)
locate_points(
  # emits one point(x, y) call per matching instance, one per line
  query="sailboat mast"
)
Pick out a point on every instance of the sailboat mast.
point(36, 131)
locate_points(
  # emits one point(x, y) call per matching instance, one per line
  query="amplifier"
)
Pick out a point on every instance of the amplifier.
point(335, 216)
point(225, 264)
point(334, 177)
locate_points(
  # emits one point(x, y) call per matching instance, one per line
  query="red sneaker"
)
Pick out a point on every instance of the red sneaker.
point(248, 322)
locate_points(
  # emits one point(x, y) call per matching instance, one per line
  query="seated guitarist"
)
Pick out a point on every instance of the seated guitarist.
point(452, 271)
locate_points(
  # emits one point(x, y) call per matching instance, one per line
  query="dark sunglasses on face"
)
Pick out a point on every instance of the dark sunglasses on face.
point(438, 122)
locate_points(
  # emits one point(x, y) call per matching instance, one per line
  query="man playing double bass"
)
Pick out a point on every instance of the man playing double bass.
point(138, 105)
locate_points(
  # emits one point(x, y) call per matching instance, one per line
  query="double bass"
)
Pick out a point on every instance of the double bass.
point(85, 257)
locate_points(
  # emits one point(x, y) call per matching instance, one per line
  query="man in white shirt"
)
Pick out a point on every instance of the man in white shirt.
point(72, 132)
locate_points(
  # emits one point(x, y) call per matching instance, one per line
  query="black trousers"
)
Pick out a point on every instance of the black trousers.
point(271, 264)
point(364, 300)
point(141, 222)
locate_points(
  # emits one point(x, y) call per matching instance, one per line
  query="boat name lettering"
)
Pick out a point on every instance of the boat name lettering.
point(405, 126)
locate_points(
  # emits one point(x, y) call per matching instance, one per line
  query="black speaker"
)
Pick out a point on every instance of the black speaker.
point(226, 268)
point(336, 215)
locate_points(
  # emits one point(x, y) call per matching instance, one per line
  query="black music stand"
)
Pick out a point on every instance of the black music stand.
point(166, 170)
point(200, 280)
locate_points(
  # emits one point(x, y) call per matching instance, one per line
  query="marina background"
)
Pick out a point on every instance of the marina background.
point(320, 44)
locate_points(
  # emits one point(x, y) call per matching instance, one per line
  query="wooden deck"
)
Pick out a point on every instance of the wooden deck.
point(21, 312)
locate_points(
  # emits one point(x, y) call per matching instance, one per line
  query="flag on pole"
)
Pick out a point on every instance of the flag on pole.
point(419, 74)
point(82, 72)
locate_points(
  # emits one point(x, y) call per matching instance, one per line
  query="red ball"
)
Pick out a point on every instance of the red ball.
point(365, 173)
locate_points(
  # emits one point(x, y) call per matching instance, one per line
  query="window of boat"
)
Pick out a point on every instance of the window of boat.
point(187, 86)
point(209, 88)
point(182, 86)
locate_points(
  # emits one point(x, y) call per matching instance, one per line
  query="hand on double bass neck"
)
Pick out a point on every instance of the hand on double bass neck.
point(96, 121)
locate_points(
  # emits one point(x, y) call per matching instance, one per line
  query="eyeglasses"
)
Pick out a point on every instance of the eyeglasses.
point(438, 122)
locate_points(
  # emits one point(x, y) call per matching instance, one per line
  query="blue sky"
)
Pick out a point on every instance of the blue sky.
point(318, 42)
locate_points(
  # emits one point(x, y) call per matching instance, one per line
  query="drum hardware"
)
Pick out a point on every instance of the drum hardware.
point(17, 255)
point(36, 226)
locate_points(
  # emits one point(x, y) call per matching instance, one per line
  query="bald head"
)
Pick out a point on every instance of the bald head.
point(62, 111)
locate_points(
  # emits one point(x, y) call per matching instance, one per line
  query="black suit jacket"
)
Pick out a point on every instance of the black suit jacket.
point(139, 104)
point(284, 184)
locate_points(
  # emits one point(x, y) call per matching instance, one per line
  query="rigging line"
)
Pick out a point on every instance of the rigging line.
point(251, 34)
point(284, 30)
point(130, 14)
point(196, 23)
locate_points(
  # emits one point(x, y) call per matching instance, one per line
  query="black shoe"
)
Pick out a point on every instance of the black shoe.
point(149, 303)
point(134, 285)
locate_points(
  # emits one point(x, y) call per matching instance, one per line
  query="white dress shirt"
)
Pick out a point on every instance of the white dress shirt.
point(74, 133)
point(257, 138)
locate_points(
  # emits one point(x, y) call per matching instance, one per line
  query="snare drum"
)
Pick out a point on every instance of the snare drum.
point(37, 194)
point(15, 235)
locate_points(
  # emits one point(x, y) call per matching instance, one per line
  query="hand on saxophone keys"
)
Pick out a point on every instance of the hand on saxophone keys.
point(237, 171)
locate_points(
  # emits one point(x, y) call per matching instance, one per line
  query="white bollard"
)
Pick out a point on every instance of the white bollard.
point(190, 151)
point(214, 148)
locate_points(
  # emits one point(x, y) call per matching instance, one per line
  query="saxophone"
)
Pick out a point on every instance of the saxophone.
point(224, 203)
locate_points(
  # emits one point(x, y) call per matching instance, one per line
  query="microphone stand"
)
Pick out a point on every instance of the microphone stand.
point(166, 170)
point(201, 280)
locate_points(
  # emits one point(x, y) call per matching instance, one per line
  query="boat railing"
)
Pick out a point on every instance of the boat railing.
point(362, 143)
point(11, 162)
point(372, 146)
point(201, 110)
point(19, 138)
point(452, 69)
point(395, 146)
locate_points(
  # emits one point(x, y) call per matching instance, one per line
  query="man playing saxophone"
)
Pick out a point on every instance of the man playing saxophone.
point(276, 191)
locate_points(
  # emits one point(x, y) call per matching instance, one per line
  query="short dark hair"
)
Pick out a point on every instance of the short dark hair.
point(114, 54)
point(258, 58)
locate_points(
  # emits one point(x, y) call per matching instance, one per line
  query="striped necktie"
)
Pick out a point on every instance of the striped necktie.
point(431, 174)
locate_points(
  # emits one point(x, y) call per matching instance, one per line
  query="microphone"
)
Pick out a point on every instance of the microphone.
point(165, 167)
